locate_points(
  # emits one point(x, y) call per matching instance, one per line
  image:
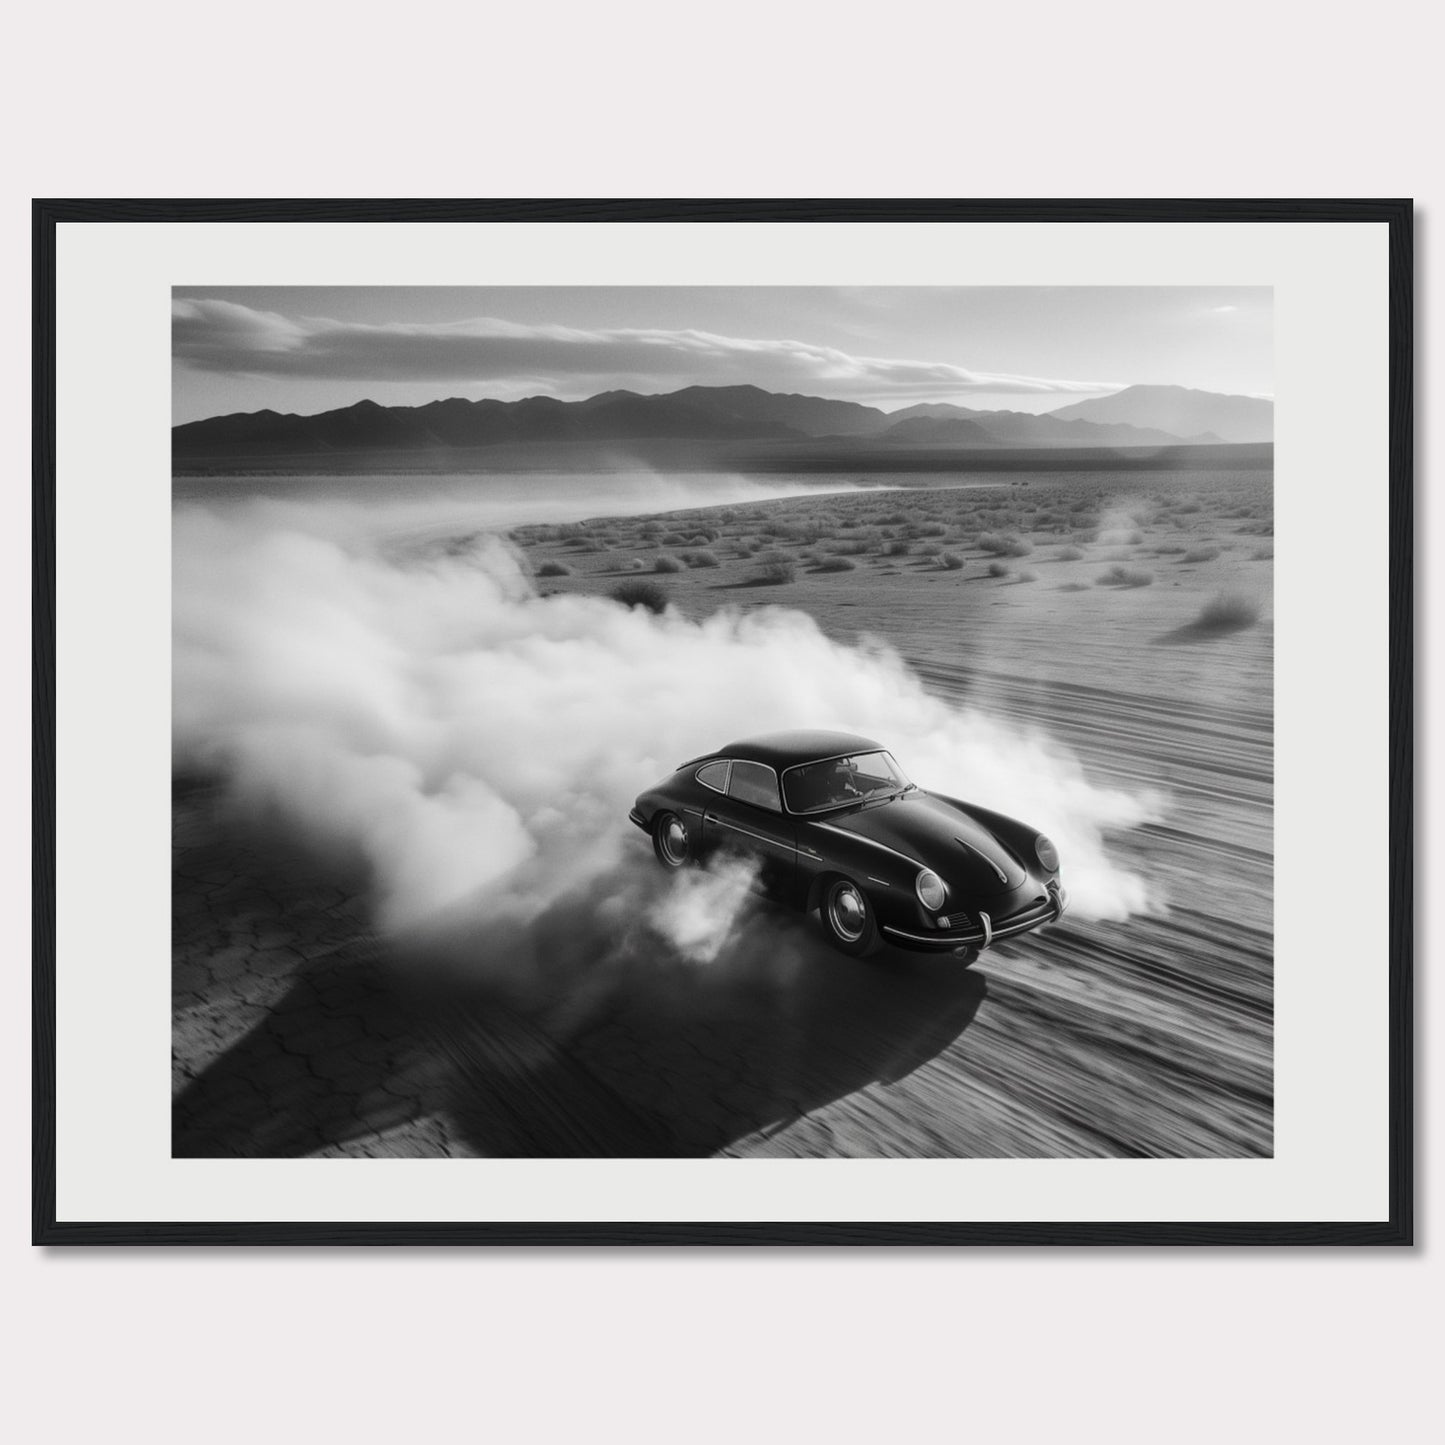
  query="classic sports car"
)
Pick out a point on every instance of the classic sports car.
point(833, 825)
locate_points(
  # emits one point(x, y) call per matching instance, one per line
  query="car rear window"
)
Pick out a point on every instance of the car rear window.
point(714, 776)
point(755, 783)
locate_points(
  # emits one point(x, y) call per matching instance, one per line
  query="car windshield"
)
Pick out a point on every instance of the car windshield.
point(836, 782)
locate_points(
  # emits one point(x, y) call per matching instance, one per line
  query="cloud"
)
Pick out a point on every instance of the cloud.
point(227, 338)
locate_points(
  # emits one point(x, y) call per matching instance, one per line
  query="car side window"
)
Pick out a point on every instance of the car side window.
point(714, 776)
point(755, 783)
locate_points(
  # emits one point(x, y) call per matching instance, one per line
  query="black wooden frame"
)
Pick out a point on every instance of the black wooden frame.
point(1398, 1229)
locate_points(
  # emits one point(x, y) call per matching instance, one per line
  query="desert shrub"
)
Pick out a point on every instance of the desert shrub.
point(1201, 554)
point(837, 564)
point(635, 564)
point(951, 561)
point(1004, 544)
point(570, 532)
point(672, 539)
point(1228, 612)
point(896, 548)
point(640, 594)
point(554, 569)
point(699, 559)
point(1028, 576)
point(666, 564)
point(1069, 554)
point(1120, 576)
point(930, 549)
point(775, 568)
point(999, 569)
point(806, 533)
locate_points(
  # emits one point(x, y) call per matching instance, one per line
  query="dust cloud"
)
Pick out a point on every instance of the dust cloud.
point(421, 711)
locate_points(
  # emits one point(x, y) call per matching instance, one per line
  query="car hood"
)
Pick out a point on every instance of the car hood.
point(962, 852)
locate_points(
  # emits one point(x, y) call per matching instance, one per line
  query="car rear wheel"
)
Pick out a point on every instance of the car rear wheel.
point(670, 841)
point(848, 918)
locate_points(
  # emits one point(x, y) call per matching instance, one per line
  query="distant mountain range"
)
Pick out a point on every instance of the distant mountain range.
point(1139, 416)
point(1179, 409)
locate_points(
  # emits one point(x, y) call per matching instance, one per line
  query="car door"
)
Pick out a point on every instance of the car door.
point(747, 820)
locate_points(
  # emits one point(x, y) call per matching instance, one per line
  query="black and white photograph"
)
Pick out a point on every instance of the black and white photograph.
point(726, 722)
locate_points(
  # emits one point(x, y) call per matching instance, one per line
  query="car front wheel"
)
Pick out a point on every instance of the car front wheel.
point(670, 841)
point(848, 918)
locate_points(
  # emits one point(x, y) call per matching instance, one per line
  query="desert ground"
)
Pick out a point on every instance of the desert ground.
point(1127, 616)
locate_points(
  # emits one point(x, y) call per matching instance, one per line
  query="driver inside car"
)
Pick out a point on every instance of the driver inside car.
point(844, 781)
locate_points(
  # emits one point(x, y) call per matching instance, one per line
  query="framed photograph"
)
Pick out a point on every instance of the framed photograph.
point(723, 722)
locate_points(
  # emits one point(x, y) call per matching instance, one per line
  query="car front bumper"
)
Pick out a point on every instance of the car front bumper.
point(986, 931)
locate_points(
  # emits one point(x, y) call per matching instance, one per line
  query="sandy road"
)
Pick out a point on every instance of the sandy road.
point(297, 1033)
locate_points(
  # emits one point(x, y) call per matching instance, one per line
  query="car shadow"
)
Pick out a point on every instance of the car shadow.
point(572, 1037)
point(638, 1050)
point(584, 1029)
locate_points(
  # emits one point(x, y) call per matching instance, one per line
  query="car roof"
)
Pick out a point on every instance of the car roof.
point(785, 750)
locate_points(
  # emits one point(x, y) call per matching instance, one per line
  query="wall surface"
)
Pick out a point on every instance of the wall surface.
point(658, 99)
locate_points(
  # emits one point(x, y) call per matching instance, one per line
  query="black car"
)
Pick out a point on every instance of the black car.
point(834, 825)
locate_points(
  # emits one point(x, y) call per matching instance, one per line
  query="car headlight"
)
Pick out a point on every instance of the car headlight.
point(930, 889)
point(1048, 854)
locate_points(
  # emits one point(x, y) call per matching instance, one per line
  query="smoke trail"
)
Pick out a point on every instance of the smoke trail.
point(698, 913)
point(478, 746)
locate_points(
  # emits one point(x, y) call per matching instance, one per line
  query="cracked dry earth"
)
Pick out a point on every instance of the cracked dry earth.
point(287, 1037)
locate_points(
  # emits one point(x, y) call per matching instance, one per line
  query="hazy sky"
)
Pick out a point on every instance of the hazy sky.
point(310, 348)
